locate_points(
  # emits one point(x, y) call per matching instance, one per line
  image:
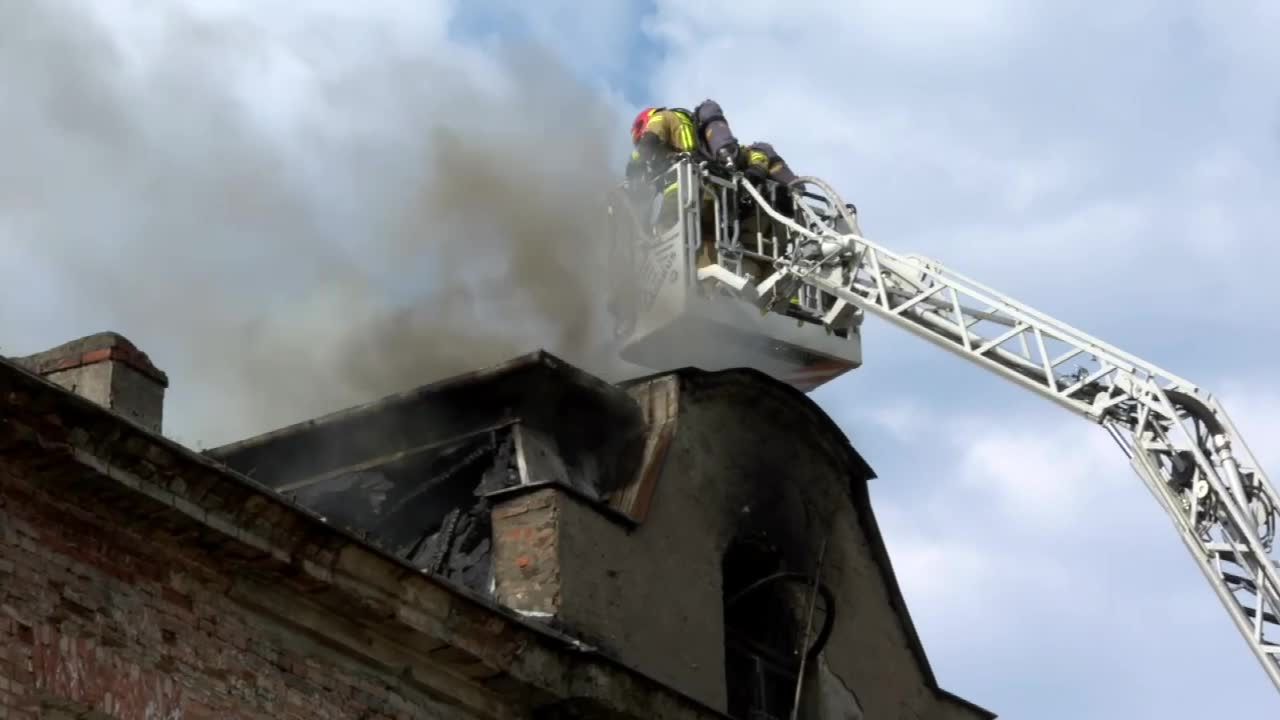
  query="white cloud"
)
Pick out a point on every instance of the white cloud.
point(930, 570)
point(598, 40)
point(902, 418)
point(943, 571)
point(929, 29)
point(923, 30)
point(1075, 250)
point(1242, 30)
point(1041, 474)
point(1040, 470)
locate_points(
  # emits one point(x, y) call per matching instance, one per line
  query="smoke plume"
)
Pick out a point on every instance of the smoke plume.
point(297, 215)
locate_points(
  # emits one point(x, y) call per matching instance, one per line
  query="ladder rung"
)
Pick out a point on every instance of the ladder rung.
point(1224, 549)
point(1266, 616)
point(1248, 583)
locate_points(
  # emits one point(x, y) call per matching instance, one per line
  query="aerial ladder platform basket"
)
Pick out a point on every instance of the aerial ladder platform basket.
point(726, 272)
point(686, 246)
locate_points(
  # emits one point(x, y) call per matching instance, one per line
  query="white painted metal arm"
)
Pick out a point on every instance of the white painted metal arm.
point(1178, 438)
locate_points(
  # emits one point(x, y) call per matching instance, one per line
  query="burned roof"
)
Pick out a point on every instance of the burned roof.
point(417, 473)
point(538, 390)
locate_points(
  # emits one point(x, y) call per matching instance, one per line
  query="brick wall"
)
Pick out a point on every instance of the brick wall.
point(526, 557)
point(97, 621)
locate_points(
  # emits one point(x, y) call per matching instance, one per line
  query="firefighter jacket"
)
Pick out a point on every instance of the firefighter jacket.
point(762, 161)
point(667, 132)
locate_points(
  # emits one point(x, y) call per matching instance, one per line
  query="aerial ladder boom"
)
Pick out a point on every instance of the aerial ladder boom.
point(1177, 437)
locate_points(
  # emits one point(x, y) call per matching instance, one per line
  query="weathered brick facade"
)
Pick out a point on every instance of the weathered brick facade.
point(139, 627)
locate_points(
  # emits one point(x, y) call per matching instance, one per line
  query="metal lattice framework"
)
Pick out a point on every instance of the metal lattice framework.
point(1177, 437)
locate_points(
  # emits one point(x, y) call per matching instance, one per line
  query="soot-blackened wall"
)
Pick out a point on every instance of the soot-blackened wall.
point(751, 462)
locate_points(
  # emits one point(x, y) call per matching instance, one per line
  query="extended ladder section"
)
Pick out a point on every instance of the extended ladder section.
point(803, 256)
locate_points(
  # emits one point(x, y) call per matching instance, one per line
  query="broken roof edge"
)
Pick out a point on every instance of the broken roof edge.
point(535, 359)
point(861, 473)
point(26, 396)
point(583, 413)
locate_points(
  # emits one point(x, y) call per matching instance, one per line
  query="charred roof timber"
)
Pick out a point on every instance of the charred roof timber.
point(417, 472)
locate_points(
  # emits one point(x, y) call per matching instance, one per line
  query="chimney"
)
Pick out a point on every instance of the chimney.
point(109, 370)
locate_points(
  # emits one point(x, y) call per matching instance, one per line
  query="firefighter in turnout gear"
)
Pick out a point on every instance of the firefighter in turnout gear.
point(762, 161)
point(758, 232)
point(658, 135)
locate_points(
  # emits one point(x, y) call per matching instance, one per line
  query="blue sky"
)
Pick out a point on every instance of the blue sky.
point(227, 184)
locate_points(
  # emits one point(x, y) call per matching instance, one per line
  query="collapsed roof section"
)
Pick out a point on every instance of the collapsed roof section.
point(417, 473)
point(369, 605)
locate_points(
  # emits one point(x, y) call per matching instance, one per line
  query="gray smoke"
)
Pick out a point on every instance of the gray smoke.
point(289, 227)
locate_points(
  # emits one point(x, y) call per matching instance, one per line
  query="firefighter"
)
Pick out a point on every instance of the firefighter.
point(758, 160)
point(757, 231)
point(657, 135)
point(658, 132)
point(762, 161)
point(717, 139)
